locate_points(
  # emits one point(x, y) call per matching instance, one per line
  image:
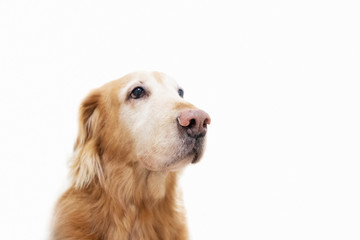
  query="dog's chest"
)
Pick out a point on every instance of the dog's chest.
point(149, 224)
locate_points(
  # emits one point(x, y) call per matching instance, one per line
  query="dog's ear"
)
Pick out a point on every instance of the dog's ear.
point(85, 165)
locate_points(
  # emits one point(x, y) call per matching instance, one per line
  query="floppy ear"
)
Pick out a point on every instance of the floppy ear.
point(85, 164)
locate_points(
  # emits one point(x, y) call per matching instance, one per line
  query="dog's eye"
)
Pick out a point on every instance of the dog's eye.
point(138, 92)
point(181, 92)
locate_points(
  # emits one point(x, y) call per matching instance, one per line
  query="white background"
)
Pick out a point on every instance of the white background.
point(280, 79)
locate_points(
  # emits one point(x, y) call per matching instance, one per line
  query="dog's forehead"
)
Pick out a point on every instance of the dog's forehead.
point(157, 78)
point(164, 79)
point(151, 79)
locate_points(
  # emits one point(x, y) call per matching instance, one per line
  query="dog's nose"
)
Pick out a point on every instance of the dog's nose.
point(195, 122)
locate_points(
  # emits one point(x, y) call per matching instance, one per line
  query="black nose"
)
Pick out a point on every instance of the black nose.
point(195, 121)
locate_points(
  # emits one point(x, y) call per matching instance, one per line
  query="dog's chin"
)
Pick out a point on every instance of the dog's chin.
point(174, 164)
point(179, 164)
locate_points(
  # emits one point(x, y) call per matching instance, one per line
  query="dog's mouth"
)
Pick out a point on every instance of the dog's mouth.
point(196, 146)
point(196, 158)
point(190, 151)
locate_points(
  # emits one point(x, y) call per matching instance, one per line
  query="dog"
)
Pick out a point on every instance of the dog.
point(135, 136)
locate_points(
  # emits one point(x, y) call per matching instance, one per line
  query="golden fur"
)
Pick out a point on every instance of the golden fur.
point(123, 188)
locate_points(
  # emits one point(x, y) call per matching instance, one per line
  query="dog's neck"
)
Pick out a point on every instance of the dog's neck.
point(156, 184)
point(137, 202)
point(131, 183)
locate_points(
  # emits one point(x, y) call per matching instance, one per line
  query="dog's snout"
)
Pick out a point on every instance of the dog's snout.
point(195, 122)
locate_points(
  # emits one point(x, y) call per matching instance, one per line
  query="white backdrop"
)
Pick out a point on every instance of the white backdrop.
point(280, 79)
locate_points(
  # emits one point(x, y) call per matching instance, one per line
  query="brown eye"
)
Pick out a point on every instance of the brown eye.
point(138, 92)
point(181, 92)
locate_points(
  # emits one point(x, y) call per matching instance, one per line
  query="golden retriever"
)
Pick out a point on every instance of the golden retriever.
point(135, 135)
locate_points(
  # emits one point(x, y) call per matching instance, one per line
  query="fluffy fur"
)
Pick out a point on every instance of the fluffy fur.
point(126, 162)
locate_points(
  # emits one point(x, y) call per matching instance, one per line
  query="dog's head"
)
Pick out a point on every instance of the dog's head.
point(140, 118)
